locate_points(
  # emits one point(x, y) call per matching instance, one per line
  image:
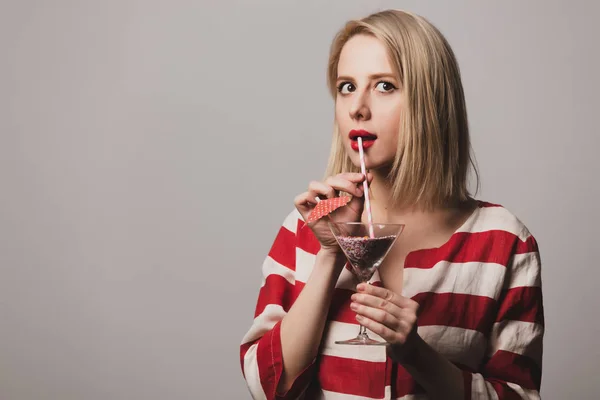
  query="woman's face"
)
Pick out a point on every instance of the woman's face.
point(369, 101)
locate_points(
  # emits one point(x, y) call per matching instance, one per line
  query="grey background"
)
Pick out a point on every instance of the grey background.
point(149, 151)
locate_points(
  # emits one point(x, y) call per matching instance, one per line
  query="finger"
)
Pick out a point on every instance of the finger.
point(400, 301)
point(389, 335)
point(355, 177)
point(404, 327)
point(405, 318)
point(342, 184)
point(376, 314)
point(377, 302)
point(362, 177)
point(304, 199)
point(318, 189)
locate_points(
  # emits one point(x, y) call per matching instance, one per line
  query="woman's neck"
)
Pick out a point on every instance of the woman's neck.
point(384, 209)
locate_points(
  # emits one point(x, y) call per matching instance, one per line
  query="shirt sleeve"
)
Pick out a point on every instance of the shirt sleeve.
point(260, 352)
point(513, 368)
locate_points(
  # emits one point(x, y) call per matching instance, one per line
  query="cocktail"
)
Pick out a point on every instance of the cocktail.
point(365, 246)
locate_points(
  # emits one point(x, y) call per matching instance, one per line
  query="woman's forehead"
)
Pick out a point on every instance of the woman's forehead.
point(364, 55)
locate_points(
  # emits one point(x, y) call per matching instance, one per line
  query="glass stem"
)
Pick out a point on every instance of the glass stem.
point(362, 331)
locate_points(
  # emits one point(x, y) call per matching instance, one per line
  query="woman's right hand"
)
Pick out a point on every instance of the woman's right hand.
point(349, 182)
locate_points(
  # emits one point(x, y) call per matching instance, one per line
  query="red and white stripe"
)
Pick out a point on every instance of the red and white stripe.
point(481, 307)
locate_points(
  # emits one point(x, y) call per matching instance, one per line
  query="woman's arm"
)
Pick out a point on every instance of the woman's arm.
point(302, 327)
point(394, 317)
point(439, 377)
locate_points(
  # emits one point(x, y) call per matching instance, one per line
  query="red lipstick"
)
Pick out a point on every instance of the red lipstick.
point(368, 138)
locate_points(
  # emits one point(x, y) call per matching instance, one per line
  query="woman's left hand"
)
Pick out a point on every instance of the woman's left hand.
point(391, 316)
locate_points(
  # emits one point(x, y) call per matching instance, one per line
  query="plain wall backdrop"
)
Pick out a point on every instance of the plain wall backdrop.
point(149, 151)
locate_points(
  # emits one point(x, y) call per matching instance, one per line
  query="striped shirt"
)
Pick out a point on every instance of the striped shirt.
point(480, 306)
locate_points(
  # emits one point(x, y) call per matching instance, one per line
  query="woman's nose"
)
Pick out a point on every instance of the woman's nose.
point(360, 109)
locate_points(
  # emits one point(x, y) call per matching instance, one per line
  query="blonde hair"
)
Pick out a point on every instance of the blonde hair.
point(434, 150)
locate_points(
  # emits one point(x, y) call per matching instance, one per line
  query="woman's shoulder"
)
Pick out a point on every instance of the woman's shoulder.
point(293, 232)
point(496, 234)
point(293, 221)
point(490, 216)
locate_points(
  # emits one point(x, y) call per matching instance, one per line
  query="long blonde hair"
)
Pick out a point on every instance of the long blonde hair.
point(434, 150)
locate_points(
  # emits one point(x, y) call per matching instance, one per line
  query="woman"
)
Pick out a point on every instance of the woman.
point(458, 299)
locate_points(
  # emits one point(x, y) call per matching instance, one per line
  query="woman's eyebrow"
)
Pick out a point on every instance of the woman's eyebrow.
point(371, 77)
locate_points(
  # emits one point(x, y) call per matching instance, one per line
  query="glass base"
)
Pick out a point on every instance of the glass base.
point(361, 340)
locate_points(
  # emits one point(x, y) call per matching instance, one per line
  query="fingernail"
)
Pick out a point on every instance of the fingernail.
point(361, 287)
point(353, 306)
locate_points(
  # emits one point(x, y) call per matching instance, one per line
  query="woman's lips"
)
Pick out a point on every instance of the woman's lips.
point(366, 144)
point(368, 138)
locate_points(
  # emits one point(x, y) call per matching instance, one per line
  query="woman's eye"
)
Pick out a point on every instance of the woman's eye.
point(385, 87)
point(346, 87)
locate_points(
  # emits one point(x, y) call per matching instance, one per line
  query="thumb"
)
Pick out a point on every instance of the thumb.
point(357, 204)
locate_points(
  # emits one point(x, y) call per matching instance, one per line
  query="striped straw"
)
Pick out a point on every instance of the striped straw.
point(365, 186)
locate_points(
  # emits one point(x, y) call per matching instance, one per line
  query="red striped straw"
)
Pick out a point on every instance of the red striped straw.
point(365, 186)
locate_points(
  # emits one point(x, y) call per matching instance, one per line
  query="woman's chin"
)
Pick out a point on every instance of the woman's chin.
point(373, 164)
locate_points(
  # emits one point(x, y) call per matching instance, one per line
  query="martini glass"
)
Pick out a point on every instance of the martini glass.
point(365, 252)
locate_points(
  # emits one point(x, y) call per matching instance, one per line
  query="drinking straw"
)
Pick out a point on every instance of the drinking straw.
point(365, 186)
